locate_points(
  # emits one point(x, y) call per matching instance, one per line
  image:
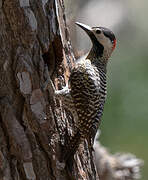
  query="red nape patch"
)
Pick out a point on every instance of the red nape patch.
point(114, 44)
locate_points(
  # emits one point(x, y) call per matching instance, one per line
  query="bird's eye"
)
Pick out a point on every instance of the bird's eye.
point(98, 31)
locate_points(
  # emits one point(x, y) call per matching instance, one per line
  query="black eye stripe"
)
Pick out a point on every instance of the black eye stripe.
point(107, 33)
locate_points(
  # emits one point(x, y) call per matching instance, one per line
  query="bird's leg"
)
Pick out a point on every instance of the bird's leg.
point(63, 94)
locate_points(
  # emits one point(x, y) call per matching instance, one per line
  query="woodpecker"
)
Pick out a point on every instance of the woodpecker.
point(86, 91)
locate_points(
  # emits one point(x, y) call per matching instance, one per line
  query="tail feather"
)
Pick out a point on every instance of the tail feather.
point(71, 146)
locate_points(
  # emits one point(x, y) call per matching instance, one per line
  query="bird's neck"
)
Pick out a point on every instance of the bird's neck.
point(97, 59)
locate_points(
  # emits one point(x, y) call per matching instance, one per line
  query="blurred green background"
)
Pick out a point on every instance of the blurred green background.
point(124, 126)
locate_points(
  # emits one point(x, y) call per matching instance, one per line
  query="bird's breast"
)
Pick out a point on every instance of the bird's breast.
point(88, 90)
point(87, 81)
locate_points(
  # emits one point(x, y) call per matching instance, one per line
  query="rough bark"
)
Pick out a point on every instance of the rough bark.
point(33, 126)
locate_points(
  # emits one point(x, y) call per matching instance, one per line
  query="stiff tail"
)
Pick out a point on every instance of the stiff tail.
point(71, 146)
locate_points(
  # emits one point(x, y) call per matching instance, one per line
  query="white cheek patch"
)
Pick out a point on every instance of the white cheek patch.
point(105, 42)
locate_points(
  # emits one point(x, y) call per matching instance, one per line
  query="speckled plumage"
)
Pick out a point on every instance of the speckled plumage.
point(88, 91)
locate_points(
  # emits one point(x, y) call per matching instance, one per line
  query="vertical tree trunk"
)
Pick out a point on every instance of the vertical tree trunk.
point(33, 126)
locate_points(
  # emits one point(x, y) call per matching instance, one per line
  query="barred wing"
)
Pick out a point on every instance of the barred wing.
point(85, 91)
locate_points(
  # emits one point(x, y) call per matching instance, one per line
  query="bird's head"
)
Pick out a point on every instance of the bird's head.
point(103, 40)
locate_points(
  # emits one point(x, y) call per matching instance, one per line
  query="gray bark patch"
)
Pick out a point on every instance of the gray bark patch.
point(25, 82)
point(31, 19)
point(24, 3)
point(39, 112)
point(28, 167)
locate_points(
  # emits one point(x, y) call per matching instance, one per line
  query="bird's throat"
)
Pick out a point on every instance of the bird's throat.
point(97, 59)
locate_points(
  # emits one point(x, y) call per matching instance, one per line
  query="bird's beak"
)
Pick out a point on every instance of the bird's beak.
point(86, 28)
point(90, 33)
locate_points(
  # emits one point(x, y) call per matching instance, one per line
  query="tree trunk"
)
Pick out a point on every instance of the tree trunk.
point(33, 126)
